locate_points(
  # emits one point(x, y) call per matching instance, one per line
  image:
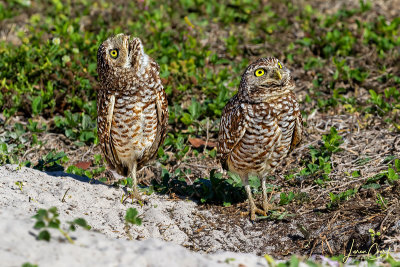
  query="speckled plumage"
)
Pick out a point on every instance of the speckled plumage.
point(131, 105)
point(260, 125)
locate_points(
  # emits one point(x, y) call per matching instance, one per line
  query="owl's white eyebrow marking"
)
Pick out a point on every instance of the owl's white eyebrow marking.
point(145, 61)
point(110, 113)
point(128, 62)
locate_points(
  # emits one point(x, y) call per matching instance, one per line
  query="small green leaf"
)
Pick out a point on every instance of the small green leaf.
point(186, 118)
point(37, 105)
point(44, 235)
point(72, 227)
point(294, 261)
point(53, 224)
point(397, 165)
point(194, 109)
point(39, 225)
point(129, 182)
point(227, 204)
point(82, 223)
point(392, 175)
point(131, 216)
point(373, 186)
point(42, 213)
point(53, 210)
point(254, 182)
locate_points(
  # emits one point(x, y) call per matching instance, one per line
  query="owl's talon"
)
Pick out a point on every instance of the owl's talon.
point(247, 213)
point(257, 211)
point(253, 213)
point(267, 207)
point(244, 213)
point(261, 212)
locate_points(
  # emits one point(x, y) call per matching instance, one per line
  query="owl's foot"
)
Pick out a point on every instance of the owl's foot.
point(267, 206)
point(252, 206)
point(253, 213)
point(136, 195)
point(266, 201)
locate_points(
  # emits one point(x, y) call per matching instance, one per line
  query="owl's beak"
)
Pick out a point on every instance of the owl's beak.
point(278, 74)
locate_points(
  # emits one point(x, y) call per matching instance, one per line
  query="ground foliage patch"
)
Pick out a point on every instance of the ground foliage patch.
point(343, 180)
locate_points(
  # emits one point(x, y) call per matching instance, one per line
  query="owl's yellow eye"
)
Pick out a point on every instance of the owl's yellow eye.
point(279, 64)
point(259, 72)
point(114, 53)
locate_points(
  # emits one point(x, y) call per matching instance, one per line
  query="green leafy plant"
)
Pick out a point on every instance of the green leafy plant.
point(286, 198)
point(320, 166)
point(48, 219)
point(381, 201)
point(86, 173)
point(132, 217)
point(78, 127)
point(332, 141)
point(336, 199)
point(373, 234)
point(387, 177)
point(19, 184)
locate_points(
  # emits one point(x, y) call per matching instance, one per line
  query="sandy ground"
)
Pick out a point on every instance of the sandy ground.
point(106, 244)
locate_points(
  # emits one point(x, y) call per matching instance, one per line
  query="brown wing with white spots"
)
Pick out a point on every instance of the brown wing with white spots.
point(298, 131)
point(260, 145)
point(105, 111)
point(287, 110)
point(290, 121)
point(161, 106)
point(231, 130)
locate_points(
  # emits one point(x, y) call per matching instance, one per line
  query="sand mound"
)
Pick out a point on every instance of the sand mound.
point(106, 244)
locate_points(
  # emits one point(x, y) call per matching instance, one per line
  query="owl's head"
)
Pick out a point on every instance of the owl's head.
point(265, 78)
point(119, 55)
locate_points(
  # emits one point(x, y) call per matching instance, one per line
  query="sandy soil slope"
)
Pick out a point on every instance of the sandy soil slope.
point(106, 244)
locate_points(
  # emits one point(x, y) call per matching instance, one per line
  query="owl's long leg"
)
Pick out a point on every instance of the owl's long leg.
point(252, 205)
point(266, 205)
point(134, 181)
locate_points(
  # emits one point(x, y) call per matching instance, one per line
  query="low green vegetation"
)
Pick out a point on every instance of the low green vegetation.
point(318, 165)
point(48, 219)
point(385, 178)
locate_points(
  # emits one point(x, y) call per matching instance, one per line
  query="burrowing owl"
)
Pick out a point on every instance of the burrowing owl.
point(131, 104)
point(260, 125)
